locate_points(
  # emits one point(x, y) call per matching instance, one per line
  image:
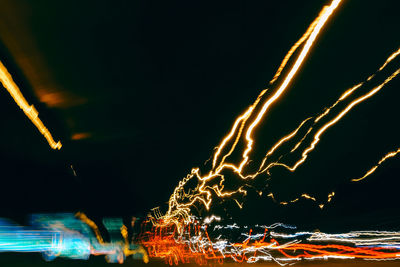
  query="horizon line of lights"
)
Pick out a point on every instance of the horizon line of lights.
point(29, 110)
point(279, 243)
point(202, 241)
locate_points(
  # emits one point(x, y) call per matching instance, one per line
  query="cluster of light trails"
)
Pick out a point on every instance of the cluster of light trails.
point(297, 144)
point(177, 236)
point(202, 241)
point(29, 110)
point(209, 241)
point(69, 236)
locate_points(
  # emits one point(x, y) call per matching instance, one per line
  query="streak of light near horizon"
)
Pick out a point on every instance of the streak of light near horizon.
point(242, 131)
point(202, 241)
point(72, 237)
point(209, 241)
point(29, 110)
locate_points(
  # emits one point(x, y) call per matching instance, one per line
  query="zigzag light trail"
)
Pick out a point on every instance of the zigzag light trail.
point(213, 182)
point(178, 236)
point(183, 209)
point(336, 119)
point(326, 126)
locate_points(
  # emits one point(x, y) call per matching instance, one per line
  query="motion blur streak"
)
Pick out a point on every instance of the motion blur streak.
point(29, 110)
point(202, 241)
point(393, 56)
point(242, 120)
point(296, 45)
point(208, 242)
point(326, 126)
point(63, 235)
point(372, 170)
point(177, 209)
point(337, 118)
point(324, 17)
point(305, 136)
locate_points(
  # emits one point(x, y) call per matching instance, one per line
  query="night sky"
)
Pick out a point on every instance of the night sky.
point(139, 92)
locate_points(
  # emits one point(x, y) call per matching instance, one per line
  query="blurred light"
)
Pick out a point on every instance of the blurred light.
point(29, 110)
point(69, 236)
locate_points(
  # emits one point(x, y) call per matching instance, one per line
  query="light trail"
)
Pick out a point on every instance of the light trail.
point(324, 16)
point(304, 137)
point(318, 135)
point(213, 182)
point(29, 110)
point(325, 127)
point(242, 120)
point(202, 192)
point(293, 49)
point(179, 237)
point(279, 243)
point(69, 236)
point(202, 241)
point(373, 169)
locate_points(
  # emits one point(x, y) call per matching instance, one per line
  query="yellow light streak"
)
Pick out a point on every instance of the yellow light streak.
point(296, 45)
point(354, 103)
point(281, 141)
point(181, 200)
point(301, 140)
point(391, 57)
point(344, 96)
point(330, 196)
point(308, 197)
point(128, 251)
point(178, 209)
point(239, 204)
point(373, 169)
point(305, 196)
point(81, 216)
point(242, 120)
point(29, 110)
point(323, 18)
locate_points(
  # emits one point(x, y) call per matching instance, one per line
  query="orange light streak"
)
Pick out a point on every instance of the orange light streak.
point(195, 246)
point(296, 45)
point(281, 141)
point(392, 56)
point(29, 110)
point(336, 119)
point(176, 207)
point(346, 94)
point(242, 120)
point(373, 169)
point(323, 18)
point(81, 216)
point(212, 183)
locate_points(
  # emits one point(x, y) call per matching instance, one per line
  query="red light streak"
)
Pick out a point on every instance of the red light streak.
point(194, 245)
